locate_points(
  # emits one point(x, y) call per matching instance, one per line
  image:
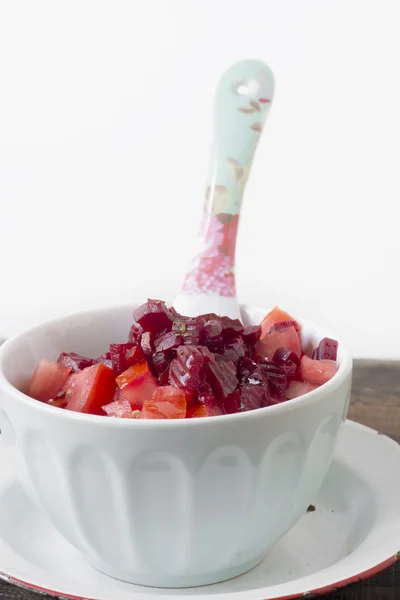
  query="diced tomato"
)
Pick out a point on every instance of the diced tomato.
point(118, 408)
point(88, 390)
point(299, 388)
point(191, 397)
point(282, 325)
point(117, 395)
point(124, 356)
point(168, 402)
point(197, 410)
point(276, 315)
point(214, 411)
point(48, 380)
point(287, 338)
point(202, 410)
point(317, 371)
point(137, 384)
point(59, 401)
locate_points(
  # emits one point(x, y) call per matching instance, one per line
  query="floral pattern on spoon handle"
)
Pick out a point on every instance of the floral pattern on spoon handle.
point(241, 105)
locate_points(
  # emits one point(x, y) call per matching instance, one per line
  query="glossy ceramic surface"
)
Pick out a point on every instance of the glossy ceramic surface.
point(166, 503)
point(353, 534)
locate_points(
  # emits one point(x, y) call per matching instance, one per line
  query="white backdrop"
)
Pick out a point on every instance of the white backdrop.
point(104, 135)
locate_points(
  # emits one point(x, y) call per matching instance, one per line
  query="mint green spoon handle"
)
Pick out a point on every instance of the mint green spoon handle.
point(241, 105)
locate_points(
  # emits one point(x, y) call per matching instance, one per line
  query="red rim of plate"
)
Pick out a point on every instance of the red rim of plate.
point(318, 591)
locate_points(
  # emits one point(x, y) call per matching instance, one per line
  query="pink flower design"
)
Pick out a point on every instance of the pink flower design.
point(211, 276)
point(229, 232)
point(213, 268)
point(213, 236)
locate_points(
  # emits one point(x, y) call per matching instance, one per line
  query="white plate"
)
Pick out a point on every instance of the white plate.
point(353, 534)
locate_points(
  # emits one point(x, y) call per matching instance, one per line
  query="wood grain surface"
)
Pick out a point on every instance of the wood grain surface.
point(376, 403)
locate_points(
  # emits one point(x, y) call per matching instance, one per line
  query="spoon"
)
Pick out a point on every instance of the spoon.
point(241, 105)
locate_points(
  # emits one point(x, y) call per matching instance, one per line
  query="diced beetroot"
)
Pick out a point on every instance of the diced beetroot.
point(282, 325)
point(231, 403)
point(48, 380)
point(230, 364)
point(231, 327)
point(284, 338)
point(233, 349)
point(137, 384)
point(168, 340)
point(211, 333)
point(205, 317)
point(75, 362)
point(146, 344)
point(117, 357)
point(167, 402)
point(174, 312)
point(276, 379)
point(249, 372)
point(105, 359)
point(222, 378)
point(191, 397)
point(189, 328)
point(88, 390)
point(187, 370)
point(276, 315)
point(317, 371)
point(208, 399)
point(163, 378)
point(326, 350)
point(160, 362)
point(132, 355)
point(212, 330)
point(124, 356)
point(179, 325)
point(135, 334)
point(118, 408)
point(288, 361)
point(154, 316)
point(253, 396)
point(251, 334)
point(194, 331)
point(299, 388)
point(216, 345)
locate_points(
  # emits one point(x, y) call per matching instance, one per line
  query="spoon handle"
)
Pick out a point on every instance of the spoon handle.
point(241, 105)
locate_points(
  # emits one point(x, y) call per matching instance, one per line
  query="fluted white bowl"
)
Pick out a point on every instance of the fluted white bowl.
point(171, 503)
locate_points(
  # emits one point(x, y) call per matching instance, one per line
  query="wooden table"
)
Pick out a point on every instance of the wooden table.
point(376, 403)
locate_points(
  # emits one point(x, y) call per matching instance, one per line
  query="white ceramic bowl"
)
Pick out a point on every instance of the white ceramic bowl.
point(166, 503)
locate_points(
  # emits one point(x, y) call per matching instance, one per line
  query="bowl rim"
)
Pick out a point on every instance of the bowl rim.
point(310, 398)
